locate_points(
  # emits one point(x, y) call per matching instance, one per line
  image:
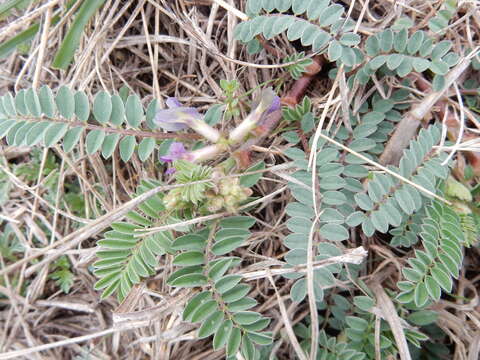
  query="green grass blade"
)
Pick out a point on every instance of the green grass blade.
point(70, 43)
point(9, 5)
point(10, 45)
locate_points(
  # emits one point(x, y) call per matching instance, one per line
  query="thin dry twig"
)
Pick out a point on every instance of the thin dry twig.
point(287, 322)
point(390, 314)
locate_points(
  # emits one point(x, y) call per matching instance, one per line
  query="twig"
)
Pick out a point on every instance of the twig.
point(385, 304)
point(125, 327)
point(351, 256)
point(312, 302)
point(81, 234)
point(287, 323)
point(232, 9)
point(460, 130)
point(12, 27)
point(407, 127)
point(42, 47)
point(312, 160)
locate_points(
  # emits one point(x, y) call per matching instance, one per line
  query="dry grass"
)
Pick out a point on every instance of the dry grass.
point(179, 48)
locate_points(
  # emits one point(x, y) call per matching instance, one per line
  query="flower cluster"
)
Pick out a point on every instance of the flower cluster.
point(227, 193)
point(178, 117)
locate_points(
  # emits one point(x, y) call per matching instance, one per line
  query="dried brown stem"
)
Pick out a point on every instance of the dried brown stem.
point(408, 126)
point(391, 316)
point(452, 123)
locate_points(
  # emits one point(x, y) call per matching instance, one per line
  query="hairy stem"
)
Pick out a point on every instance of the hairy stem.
point(125, 132)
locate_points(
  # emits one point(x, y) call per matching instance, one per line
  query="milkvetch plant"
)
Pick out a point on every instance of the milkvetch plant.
point(197, 230)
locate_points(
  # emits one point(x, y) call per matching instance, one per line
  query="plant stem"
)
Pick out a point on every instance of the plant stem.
point(125, 132)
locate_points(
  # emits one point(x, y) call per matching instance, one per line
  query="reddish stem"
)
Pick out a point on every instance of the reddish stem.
point(296, 93)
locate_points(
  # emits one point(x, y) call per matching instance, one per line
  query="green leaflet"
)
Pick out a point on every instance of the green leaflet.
point(109, 145)
point(82, 106)
point(94, 141)
point(145, 148)
point(34, 104)
point(54, 133)
point(102, 107)
point(65, 102)
point(127, 147)
point(134, 111)
point(124, 259)
point(45, 102)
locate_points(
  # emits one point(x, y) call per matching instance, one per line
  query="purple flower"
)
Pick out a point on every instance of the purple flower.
point(172, 102)
point(267, 105)
point(170, 171)
point(275, 105)
point(175, 152)
point(270, 118)
point(176, 117)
